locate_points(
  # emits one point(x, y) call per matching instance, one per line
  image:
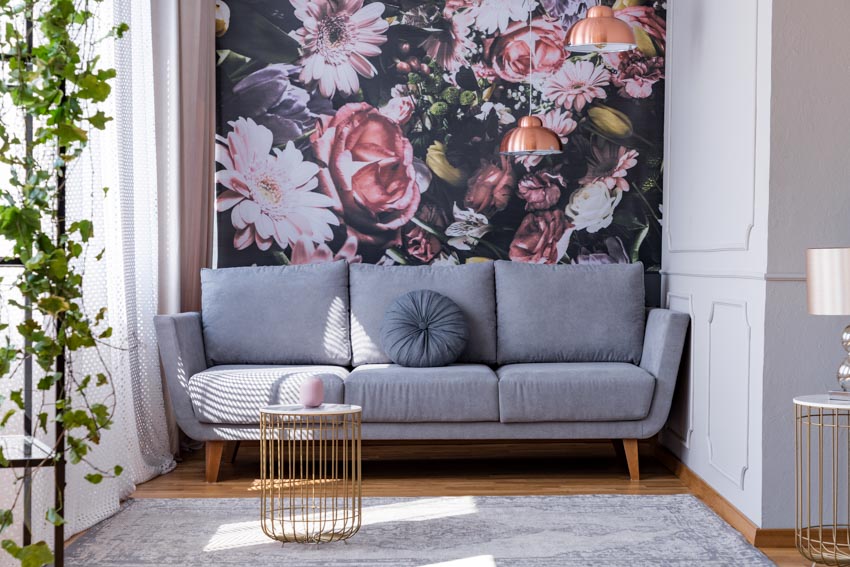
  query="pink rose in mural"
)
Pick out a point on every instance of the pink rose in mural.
point(510, 55)
point(271, 195)
point(337, 39)
point(542, 238)
point(369, 166)
point(399, 109)
point(609, 164)
point(541, 190)
point(577, 84)
point(489, 189)
point(635, 73)
point(305, 251)
point(646, 19)
point(419, 242)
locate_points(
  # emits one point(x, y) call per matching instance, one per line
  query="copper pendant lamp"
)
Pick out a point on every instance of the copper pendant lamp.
point(530, 137)
point(600, 31)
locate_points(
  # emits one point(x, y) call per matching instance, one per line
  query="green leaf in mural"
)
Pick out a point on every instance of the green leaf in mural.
point(253, 35)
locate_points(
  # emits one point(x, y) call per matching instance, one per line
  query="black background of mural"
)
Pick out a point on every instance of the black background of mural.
point(258, 35)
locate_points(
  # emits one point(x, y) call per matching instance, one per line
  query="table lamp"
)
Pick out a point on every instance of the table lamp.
point(828, 285)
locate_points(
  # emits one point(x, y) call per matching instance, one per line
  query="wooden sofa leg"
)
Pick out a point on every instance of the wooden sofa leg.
point(231, 449)
point(630, 446)
point(213, 450)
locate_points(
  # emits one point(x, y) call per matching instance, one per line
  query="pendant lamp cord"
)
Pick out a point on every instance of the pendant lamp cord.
point(531, 56)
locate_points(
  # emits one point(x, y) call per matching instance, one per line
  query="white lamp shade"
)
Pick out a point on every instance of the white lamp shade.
point(828, 281)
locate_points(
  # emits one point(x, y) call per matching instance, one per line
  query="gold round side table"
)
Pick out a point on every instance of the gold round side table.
point(310, 472)
point(822, 471)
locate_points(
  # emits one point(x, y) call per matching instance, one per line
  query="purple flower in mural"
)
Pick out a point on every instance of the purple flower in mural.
point(337, 39)
point(272, 100)
point(270, 195)
point(615, 253)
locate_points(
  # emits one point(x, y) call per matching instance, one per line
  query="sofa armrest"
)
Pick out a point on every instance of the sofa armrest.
point(181, 351)
point(662, 352)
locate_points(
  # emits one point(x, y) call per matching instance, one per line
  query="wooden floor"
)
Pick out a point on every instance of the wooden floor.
point(530, 468)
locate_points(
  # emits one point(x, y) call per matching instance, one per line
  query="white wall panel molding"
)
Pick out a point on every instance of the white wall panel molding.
point(728, 411)
point(711, 173)
point(680, 425)
point(743, 275)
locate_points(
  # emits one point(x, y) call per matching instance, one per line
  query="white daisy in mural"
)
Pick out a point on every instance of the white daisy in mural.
point(337, 38)
point(497, 15)
point(271, 196)
point(469, 227)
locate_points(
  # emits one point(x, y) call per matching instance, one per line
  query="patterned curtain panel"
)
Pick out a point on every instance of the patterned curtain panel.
point(370, 131)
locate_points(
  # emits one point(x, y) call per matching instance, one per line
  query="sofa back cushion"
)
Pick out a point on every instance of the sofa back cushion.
point(276, 314)
point(570, 313)
point(374, 288)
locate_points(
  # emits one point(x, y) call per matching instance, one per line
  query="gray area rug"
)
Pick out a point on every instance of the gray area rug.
point(534, 531)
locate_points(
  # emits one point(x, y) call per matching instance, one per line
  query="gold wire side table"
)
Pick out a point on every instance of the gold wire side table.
point(310, 472)
point(823, 479)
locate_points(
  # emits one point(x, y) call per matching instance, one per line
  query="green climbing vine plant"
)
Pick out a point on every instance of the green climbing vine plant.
point(51, 87)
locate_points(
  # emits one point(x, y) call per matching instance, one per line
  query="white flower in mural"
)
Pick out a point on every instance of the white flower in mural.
point(502, 111)
point(493, 15)
point(592, 206)
point(469, 227)
point(271, 195)
point(338, 37)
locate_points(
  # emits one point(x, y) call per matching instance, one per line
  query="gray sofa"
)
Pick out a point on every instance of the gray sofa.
point(554, 352)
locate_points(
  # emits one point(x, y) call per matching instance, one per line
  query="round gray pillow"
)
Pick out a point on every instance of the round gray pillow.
point(423, 328)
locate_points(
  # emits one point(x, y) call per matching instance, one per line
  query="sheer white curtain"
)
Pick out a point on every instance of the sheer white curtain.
point(126, 280)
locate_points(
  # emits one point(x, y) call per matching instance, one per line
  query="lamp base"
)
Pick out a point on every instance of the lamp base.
point(844, 369)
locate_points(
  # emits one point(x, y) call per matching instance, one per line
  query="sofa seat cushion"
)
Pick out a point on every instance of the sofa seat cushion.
point(395, 394)
point(570, 313)
point(277, 314)
point(234, 394)
point(574, 391)
point(374, 288)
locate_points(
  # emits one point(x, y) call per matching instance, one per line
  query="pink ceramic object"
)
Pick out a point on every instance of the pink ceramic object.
point(312, 392)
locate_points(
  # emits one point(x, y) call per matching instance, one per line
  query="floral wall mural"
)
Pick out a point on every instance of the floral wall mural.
point(370, 130)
